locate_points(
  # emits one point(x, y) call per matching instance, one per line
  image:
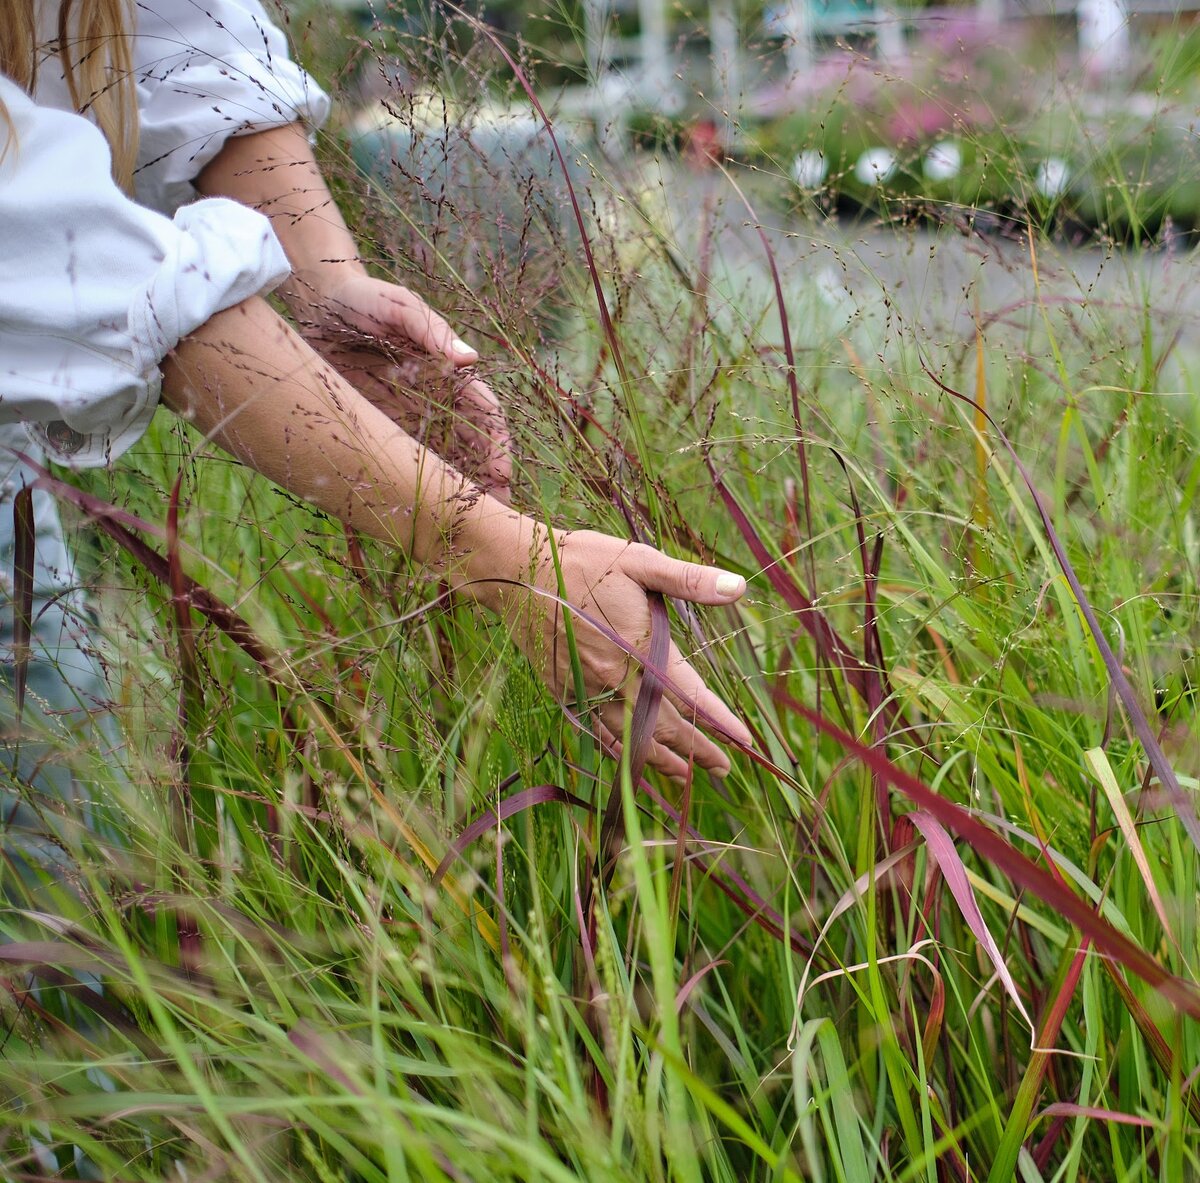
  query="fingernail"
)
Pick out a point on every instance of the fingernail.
point(729, 584)
point(460, 347)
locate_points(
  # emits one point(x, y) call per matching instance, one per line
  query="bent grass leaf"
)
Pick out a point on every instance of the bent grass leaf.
point(941, 848)
point(491, 819)
point(685, 991)
point(1069, 1109)
point(847, 900)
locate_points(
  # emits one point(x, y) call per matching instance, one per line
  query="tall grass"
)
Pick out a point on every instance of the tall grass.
point(382, 910)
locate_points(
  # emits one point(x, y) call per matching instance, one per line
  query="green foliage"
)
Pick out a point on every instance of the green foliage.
point(986, 121)
point(777, 979)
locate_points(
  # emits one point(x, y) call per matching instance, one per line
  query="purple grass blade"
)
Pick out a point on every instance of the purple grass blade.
point(641, 733)
point(24, 533)
point(491, 818)
point(685, 991)
point(1070, 1109)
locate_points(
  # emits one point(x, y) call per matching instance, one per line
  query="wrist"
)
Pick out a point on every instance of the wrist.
point(312, 291)
point(500, 547)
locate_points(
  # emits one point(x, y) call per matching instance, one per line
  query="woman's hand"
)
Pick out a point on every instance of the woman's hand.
point(607, 579)
point(356, 303)
point(409, 363)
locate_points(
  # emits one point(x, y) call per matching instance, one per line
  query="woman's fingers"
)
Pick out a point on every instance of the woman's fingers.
point(658, 572)
point(398, 319)
point(677, 739)
point(406, 314)
point(390, 312)
point(667, 762)
point(675, 744)
point(692, 697)
point(608, 579)
point(681, 736)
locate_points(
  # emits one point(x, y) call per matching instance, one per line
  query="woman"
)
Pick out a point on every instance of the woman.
point(118, 116)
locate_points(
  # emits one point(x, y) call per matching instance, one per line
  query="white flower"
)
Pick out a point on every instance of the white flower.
point(875, 166)
point(810, 168)
point(943, 162)
point(1053, 177)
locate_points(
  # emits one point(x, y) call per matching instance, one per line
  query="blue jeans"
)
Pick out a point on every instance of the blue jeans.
point(43, 799)
point(46, 802)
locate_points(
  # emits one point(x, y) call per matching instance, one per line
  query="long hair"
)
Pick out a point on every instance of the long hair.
point(93, 45)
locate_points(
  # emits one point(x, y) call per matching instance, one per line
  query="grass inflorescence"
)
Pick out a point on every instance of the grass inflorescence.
point(381, 909)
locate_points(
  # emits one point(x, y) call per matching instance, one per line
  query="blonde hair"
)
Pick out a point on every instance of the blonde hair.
point(93, 44)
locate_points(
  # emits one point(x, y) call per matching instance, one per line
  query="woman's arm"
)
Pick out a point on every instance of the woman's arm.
point(350, 317)
point(276, 173)
point(248, 381)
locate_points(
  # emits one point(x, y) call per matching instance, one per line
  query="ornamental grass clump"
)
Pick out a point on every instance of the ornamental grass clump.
point(382, 909)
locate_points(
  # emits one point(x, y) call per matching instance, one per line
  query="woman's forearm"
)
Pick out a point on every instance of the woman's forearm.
point(249, 382)
point(329, 290)
point(275, 172)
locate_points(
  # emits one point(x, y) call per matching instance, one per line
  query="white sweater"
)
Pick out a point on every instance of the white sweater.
point(96, 289)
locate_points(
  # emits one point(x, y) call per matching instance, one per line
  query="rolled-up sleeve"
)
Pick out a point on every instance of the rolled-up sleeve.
point(95, 289)
point(207, 70)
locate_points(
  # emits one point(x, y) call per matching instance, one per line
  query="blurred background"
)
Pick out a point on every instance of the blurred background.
point(1083, 113)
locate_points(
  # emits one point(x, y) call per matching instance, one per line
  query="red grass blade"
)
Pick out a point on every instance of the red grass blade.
point(1021, 870)
point(491, 818)
point(941, 848)
point(24, 532)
